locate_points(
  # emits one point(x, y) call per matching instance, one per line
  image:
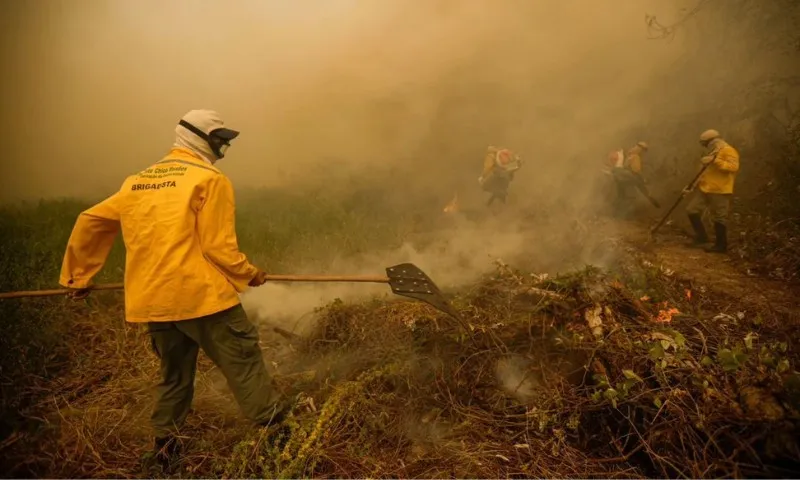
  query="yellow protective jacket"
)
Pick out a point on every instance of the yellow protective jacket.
point(633, 161)
point(720, 176)
point(489, 162)
point(182, 256)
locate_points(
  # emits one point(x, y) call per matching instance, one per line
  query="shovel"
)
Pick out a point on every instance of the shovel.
point(405, 279)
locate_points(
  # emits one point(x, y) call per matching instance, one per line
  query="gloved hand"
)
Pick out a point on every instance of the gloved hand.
point(707, 160)
point(480, 180)
point(687, 190)
point(258, 280)
point(79, 293)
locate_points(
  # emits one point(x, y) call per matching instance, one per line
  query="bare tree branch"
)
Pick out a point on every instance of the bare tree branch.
point(658, 31)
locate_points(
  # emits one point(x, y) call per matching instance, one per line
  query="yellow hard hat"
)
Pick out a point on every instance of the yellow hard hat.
point(644, 145)
point(709, 135)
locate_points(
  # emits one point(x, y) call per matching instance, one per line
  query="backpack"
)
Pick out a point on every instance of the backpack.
point(507, 160)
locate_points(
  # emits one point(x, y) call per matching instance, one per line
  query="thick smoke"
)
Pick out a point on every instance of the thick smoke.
point(327, 91)
point(97, 86)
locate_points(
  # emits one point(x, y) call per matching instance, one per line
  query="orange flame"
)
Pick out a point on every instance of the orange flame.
point(688, 294)
point(665, 316)
point(452, 207)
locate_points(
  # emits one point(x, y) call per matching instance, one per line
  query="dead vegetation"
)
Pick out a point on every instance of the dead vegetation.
point(631, 373)
point(592, 374)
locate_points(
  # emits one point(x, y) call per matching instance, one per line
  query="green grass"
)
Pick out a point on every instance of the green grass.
point(278, 230)
point(283, 229)
point(33, 237)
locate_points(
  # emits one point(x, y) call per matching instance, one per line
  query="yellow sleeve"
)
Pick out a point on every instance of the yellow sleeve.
point(488, 164)
point(90, 243)
point(216, 230)
point(727, 160)
point(636, 164)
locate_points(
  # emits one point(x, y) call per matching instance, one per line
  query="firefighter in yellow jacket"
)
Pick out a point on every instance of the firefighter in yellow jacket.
point(183, 274)
point(713, 191)
point(499, 167)
point(627, 174)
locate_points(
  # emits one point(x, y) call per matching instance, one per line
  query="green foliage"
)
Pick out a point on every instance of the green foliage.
point(294, 450)
point(731, 360)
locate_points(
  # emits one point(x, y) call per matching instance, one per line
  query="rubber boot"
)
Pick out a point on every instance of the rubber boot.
point(279, 431)
point(700, 235)
point(721, 237)
point(280, 412)
point(167, 451)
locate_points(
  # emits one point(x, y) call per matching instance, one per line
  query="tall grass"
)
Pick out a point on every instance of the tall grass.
point(282, 230)
point(277, 229)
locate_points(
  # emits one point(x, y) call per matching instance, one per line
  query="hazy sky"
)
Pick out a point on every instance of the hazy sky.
point(93, 88)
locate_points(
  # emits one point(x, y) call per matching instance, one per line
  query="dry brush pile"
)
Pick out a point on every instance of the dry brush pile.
point(590, 374)
point(579, 376)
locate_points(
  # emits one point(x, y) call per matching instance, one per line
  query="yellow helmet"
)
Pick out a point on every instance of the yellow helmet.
point(644, 145)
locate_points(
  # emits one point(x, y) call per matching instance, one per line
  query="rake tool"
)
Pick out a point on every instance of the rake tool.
point(405, 279)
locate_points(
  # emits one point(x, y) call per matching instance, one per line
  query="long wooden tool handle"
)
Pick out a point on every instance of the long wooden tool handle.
point(270, 278)
point(61, 291)
point(329, 278)
point(679, 200)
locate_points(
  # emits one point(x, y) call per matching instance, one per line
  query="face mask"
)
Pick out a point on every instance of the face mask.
point(223, 148)
point(218, 144)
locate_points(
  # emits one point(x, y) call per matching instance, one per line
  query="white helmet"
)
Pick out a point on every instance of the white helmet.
point(708, 136)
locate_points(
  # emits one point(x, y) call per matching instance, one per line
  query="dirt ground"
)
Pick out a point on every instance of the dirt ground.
point(714, 271)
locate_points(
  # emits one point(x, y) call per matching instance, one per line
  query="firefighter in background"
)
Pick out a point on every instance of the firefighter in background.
point(714, 191)
point(499, 167)
point(629, 175)
point(614, 159)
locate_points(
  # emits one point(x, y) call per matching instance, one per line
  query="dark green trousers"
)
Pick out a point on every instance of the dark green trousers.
point(718, 205)
point(231, 342)
point(626, 180)
point(498, 185)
